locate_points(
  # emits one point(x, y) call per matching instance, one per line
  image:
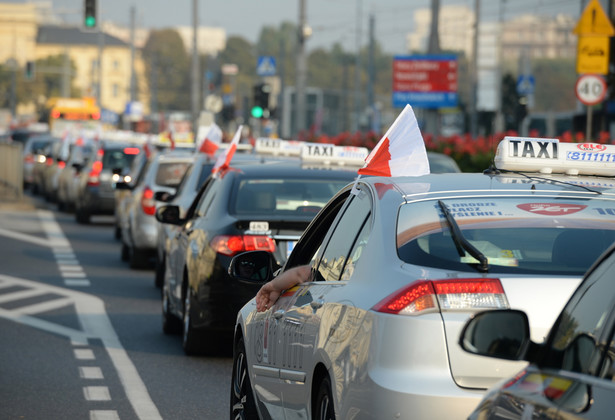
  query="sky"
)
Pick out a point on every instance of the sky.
point(332, 21)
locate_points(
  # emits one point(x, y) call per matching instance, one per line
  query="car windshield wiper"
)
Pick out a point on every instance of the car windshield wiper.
point(461, 243)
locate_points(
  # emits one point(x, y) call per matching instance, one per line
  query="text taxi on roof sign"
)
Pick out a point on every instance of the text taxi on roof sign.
point(401, 265)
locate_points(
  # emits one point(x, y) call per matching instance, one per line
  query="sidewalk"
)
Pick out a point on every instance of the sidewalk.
point(10, 201)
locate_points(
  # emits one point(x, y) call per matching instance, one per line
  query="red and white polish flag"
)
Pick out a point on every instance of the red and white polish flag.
point(401, 151)
point(212, 140)
point(224, 160)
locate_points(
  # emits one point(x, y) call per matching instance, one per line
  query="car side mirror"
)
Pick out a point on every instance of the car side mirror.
point(252, 267)
point(502, 334)
point(169, 215)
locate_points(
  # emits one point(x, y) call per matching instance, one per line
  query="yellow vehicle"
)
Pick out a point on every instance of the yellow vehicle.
point(65, 113)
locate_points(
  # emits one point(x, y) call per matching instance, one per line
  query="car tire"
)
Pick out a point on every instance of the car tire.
point(82, 216)
point(138, 258)
point(159, 276)
point(191, 339)
point(125, 252)
point(242, 402)
point(170, 323)
point(323, 405)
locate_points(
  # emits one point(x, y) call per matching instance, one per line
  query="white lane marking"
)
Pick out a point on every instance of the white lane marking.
point(73, 274)
point(67, 262)
point(77, 283)
point(26, 238)
point(90, 372)
point(70, 268)
point(96, 393)
point(84, 354)
point(37, 308)
point(22, 294)
point(104, 415)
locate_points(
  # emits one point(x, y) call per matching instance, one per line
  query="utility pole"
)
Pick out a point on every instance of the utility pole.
point(474, 73)
point(195, 70)
point(132, 56)
point(301, 69)
point(357, 73)
point(431, 115)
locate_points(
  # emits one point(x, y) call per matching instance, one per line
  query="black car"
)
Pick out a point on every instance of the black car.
point(95, 193)
point(571, 374)
point(252, 207)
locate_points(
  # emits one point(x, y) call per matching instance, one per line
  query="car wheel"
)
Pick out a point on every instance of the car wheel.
point(170, 323)
point(125, 252)
point(190, 338)
point(82, 216)
point(160, 268)
point(138, 258)
point(323, 405)
point(242, 399)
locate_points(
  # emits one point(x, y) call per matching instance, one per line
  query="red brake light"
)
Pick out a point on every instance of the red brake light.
point(131, 150)
point(234, 244)
point(49, 161)
point(61, 164)
point(148, 204)
point(95, 115)
point(449, 294)
point(94, 175)
point(29, 158)
point(55, 114)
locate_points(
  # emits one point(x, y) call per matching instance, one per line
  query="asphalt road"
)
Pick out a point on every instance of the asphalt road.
point(81, 331)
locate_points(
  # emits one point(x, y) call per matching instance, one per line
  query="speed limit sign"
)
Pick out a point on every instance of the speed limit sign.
point(590, 89)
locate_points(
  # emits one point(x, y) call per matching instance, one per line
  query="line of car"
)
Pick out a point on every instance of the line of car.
point(392, 323)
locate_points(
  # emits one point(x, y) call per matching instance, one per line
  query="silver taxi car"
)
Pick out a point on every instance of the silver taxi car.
point(400, 266)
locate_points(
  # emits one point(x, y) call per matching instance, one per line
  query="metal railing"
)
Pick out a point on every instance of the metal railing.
point(11, 168)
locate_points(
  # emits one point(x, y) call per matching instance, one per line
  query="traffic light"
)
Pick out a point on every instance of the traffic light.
point(261, 100)
point(29, 71)
point(89, 14)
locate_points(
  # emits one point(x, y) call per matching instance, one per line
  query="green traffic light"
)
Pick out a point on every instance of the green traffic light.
point(257, 112)
point(90, 21)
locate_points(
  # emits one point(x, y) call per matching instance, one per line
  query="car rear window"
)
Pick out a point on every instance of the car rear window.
point(283, 196)
point(170, 174)
point(117, 159)
point(540, 236)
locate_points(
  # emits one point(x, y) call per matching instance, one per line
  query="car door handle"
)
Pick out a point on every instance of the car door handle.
point(279, 314)
point(317, 304)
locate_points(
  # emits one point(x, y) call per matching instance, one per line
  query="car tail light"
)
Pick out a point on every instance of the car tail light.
point(94, 175)
point(49, 161)
point(449, 294)
point(61, 164)
point(28, 158)
point(131, 150)
point(148, 204)
point(96, 115)
point(233, 244)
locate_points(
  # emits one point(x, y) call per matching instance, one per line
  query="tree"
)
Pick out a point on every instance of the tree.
point(168, 67)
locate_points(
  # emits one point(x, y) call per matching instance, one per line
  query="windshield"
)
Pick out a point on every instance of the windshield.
point(540, 236)
point(284, 196)
point(117, 158)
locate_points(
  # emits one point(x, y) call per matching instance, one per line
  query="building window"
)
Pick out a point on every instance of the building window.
point(116, 64)
point(116, 90)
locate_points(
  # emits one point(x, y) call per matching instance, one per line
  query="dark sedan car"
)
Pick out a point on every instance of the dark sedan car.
point(252, 207)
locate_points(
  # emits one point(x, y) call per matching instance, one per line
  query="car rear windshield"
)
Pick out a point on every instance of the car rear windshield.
point(170, 173)
point(539, 236)
point(283, 196)
point(117, 159)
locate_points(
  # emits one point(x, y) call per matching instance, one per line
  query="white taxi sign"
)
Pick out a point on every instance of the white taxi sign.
point(330, 154)
point(278, 147)
point(544, 155)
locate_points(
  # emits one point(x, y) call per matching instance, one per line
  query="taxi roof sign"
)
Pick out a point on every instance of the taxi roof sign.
point(278, 147)
point(546, 156)
point(330, 154)
point(594, 21)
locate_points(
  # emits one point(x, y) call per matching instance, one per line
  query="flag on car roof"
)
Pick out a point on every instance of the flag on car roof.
point(401, 151)
point(224, 160)
point(212, 140)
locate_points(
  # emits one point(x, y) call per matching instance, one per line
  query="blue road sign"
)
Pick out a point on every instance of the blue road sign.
point(265, 66)
point(526, 84)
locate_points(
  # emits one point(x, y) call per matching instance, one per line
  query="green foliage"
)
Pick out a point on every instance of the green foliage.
point(168, 65)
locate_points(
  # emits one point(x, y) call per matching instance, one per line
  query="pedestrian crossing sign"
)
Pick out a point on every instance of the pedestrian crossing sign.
point(265, 66)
